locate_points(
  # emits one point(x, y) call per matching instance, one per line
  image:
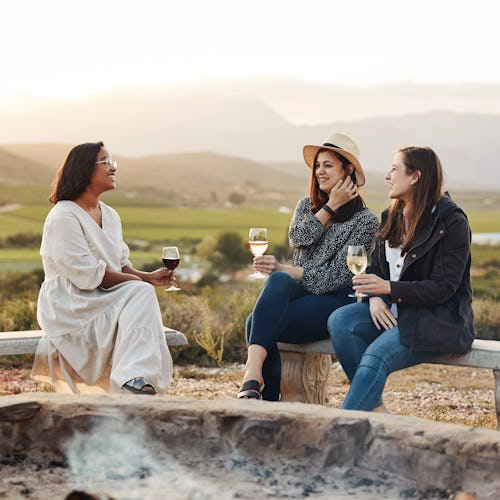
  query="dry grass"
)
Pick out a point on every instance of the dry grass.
point(450, 394)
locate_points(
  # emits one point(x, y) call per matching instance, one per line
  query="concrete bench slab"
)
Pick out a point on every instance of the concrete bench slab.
point(25, 342)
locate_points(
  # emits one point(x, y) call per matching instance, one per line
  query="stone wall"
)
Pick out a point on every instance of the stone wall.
point(228, 447)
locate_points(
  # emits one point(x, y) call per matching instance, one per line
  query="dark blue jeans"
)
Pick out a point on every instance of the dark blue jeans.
point(368, 355)
point(285, 312)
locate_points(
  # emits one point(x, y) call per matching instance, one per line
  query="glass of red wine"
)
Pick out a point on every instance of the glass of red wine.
point(170, 257)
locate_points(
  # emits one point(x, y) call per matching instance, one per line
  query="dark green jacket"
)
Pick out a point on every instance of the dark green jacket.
point(434, 294)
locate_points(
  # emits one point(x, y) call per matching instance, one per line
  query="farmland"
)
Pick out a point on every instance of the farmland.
point(160, 225)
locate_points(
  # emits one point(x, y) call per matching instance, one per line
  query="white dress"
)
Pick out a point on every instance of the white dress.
point(96, 339)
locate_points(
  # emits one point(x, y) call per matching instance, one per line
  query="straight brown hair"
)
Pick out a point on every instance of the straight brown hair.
point(403, 220)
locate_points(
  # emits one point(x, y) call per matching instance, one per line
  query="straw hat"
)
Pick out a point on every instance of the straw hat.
point(341, 144)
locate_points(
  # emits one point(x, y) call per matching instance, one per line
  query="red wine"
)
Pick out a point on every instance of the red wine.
point(171, 263)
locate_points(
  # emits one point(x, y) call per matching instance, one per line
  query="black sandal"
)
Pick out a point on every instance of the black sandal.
point(139, 385)
point(251, 389)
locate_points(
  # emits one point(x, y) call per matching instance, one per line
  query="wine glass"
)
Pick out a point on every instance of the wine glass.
point(170, 257)
point(357, 262)
point(258, 243)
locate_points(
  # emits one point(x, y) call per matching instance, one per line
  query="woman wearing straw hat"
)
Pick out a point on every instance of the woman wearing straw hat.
point(420, 303)
point(297, 299)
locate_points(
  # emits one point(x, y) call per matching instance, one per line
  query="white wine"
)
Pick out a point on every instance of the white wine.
point(258, 248)
point(258, 242)
point(357, 263)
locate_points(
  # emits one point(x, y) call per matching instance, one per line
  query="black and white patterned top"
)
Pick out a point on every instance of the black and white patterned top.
point(322, 252)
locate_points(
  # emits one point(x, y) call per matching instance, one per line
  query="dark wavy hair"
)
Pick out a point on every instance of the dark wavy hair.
point(73, 177)
point(403, 220)
point(319, 198)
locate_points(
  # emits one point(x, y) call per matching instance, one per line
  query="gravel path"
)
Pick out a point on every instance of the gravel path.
point(442, 393)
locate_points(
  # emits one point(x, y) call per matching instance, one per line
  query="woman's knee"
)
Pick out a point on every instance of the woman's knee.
point(341, 320)
point(141, 287)
point(279, 279)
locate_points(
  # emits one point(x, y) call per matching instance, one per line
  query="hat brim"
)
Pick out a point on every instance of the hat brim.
point(310, 151)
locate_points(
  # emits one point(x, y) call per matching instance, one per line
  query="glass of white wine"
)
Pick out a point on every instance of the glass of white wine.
point(171, 258)
point(258, 243)
point(357, 261)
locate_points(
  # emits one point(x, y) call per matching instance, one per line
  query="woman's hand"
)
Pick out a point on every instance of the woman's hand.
point(381, 315)
point(371, 284)
point(266, 264)
point(343, 192)
point(161, 277)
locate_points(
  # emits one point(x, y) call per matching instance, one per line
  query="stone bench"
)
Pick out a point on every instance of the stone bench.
point(25, 342)
point(306, 367)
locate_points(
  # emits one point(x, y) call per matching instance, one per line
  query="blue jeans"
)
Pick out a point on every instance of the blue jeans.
point(286, 312)
point(368, 355)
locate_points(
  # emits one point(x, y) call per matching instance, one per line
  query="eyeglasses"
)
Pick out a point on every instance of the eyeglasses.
point(109, 164)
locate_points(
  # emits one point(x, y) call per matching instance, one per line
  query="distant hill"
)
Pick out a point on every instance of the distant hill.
point(196, 179)
point(16, 169)
point(190, 179)
point(259, 120)
point(209, 175)
point(19, 162)
point(50, 155)
point(467, 143)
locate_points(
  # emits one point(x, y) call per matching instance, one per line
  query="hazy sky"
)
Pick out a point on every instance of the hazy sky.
point(73, 47)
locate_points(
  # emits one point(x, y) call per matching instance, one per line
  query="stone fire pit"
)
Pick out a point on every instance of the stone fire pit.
point(125, 447)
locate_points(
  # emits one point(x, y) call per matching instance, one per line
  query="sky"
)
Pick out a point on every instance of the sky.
point(71, 48)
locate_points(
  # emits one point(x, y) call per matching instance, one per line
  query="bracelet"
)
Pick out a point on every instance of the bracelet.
point(329, 210)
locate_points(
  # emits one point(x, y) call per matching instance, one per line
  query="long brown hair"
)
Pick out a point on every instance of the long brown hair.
point(403, 220)
point(319, 198)
point(73, 177)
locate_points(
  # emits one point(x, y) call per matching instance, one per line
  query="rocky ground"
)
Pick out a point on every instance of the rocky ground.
point(441, 393)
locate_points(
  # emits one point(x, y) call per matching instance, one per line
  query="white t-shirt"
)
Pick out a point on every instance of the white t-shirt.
point(395, 260)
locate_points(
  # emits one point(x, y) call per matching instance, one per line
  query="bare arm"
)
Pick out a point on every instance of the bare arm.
point(112, 278)
point(159, 277)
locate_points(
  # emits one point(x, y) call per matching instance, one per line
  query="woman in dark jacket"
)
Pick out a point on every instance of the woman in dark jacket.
point(420, 297)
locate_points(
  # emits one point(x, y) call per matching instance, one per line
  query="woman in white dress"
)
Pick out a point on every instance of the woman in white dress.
point(103, 325)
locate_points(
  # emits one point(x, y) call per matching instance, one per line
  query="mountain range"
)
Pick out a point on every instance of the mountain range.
point(247, 134)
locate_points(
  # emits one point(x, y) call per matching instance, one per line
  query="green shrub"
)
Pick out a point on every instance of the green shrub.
point(16, 284)
point(188, 314)
point(231, 305)
point(23, 240)
point(231, 253)
point(486, 284)
point(487, 318)
point(213, 316)
point(18, 314)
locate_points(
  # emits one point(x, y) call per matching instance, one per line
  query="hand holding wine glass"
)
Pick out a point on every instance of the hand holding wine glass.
point(357, 261)
point(258, 243)
point(171, 258)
